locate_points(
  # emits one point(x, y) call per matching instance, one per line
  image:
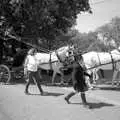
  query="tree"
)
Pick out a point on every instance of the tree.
point(82, 41)
point(45, 19)
point(115, 32)
point(106, 35)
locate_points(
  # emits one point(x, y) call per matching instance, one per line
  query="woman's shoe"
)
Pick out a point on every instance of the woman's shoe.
point(26, 92)
point(66, 99)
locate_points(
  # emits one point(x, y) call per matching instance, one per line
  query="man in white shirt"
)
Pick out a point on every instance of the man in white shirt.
point(31, 67)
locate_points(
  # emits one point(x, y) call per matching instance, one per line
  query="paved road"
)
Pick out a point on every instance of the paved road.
point(15, 105)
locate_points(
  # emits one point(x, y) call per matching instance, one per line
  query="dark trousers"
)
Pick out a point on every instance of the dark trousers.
point(36, 77)
point(83, 97)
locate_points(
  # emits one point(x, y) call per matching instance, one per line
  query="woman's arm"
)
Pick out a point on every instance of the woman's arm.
point(26, 61)
point(25, 66)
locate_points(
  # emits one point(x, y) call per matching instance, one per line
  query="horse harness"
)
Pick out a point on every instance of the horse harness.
point(113, 65)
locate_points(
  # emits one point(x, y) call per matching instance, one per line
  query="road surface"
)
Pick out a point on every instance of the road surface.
point(15, 105)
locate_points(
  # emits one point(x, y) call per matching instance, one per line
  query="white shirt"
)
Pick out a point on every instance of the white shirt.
point(31, 63)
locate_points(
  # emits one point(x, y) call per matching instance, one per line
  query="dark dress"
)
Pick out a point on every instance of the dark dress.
point(78, 78)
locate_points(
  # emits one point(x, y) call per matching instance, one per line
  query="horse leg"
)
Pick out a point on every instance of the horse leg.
point(95, 75)
point(87, 79)
point(62, 76)
point(102, 73)
point(53, 77)
point(40, 74)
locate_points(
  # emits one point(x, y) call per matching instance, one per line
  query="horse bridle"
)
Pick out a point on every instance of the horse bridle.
point(65, 61)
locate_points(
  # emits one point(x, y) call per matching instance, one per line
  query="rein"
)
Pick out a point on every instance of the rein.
point(113, 64)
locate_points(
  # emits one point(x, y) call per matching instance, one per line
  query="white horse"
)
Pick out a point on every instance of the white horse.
point(101, 60)
point(55, 60)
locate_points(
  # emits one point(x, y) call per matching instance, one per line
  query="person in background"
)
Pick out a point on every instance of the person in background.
point(31, 69)
point(78, 80)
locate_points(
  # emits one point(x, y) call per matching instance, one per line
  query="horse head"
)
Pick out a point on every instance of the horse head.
point(66, 53)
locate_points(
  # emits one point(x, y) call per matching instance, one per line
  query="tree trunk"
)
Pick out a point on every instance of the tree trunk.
point(1, 50)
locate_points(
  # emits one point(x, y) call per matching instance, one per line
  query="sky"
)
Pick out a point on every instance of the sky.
point(103, 12)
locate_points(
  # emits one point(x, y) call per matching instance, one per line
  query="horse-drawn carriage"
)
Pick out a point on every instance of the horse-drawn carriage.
point(12, 67)
point(11, 59)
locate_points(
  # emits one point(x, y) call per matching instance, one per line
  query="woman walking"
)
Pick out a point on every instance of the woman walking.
point(31, 69)
point(78, 80)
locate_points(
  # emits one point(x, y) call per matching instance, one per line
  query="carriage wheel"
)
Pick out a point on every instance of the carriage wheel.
point(5, 74)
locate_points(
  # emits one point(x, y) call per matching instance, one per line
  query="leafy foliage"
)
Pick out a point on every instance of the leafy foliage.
point(46, 19)
point(115, 32)
point(110, 32)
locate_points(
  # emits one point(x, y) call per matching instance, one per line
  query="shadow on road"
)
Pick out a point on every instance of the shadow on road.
point(110, 88)
point(52, 94)
point(96, 105)
point(48, 94)
point(100, 105)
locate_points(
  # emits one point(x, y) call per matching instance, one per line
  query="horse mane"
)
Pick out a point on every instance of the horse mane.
point(62, 49)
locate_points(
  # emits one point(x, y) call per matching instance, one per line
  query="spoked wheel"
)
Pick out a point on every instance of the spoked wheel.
point(5, 74)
